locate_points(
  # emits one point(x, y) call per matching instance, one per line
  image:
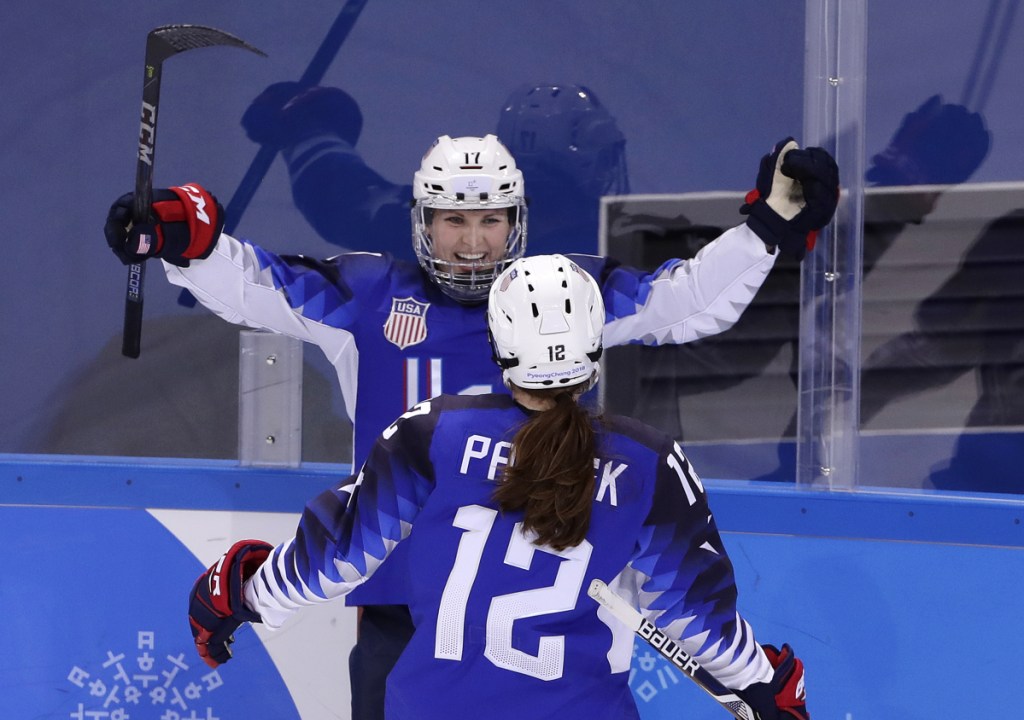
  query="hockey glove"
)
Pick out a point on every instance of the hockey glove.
point(187, 223)
point(215, 606)
point(784, 697)
point(287, 113)
point(796, 195)
point(935, 144)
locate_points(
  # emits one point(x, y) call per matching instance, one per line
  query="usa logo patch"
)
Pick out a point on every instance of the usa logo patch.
point(407, 323)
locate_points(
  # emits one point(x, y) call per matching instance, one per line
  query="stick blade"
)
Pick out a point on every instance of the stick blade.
point(180, 38)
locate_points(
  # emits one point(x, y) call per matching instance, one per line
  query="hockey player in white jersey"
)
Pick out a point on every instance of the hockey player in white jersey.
point(510, 505)
point(398, 333)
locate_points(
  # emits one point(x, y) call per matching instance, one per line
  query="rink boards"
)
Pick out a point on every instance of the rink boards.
point(902, 604)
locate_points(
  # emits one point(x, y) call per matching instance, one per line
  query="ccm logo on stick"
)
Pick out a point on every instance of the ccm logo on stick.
point(147, 133)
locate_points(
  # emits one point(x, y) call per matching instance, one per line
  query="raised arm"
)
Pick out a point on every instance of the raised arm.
point(684, 300)
point(243, 283)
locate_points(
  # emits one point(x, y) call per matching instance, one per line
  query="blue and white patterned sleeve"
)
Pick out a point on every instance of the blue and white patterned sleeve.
point(687, 587)
point(346, 532)
point(310, 300)
point(292, 295)
point(683, 300)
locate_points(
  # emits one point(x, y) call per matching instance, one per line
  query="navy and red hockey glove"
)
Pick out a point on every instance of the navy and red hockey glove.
point(784, 696)
point(187, 221)
point(287, 113)
point(936, 144)
point(795, 195)
point(216, 607)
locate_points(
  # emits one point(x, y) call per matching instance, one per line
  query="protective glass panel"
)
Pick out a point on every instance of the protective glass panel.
point(732, 396)
point(943, 290)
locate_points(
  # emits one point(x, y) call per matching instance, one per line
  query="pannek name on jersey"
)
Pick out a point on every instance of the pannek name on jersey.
point(482, 456)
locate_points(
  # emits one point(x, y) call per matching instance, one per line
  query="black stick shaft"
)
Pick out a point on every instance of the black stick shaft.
point(131, 341)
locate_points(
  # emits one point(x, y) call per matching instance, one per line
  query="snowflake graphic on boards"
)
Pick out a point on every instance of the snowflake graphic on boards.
point(650, 674)
point(145, 687)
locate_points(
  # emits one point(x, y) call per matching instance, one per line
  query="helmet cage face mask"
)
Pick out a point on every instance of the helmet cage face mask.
point(463, 280)
point(546, 317)
point(467, 173)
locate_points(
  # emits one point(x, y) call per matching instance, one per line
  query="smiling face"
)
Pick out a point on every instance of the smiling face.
point(467, 238)
point(468, 215)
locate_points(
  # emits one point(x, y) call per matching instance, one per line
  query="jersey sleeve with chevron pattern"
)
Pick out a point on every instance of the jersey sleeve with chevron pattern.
point(346, 532)
point(682, 300)
point(343, 306)
point(685, 579)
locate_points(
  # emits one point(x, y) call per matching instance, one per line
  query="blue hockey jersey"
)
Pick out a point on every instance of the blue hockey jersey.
point(504, 627)
point(395, 339)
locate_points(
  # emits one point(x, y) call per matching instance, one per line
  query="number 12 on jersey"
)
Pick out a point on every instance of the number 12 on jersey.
point(477, 523)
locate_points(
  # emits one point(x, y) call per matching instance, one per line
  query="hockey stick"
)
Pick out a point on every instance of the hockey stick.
point(314, 73)
point(671, 650)
point(161, 43)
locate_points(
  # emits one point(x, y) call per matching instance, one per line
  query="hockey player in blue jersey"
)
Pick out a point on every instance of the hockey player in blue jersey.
point(398, 333)
point(510, 505)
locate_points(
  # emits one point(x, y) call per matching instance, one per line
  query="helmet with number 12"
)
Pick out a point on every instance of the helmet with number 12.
point(545, 315)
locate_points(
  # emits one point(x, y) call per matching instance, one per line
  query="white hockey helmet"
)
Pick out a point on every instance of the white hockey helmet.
point(546, 315)
point(467, 173)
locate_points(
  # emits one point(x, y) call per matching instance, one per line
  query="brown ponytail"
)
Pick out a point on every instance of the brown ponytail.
point(551, 476)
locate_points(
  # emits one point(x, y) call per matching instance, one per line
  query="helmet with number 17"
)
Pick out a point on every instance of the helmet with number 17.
point(467, 174)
